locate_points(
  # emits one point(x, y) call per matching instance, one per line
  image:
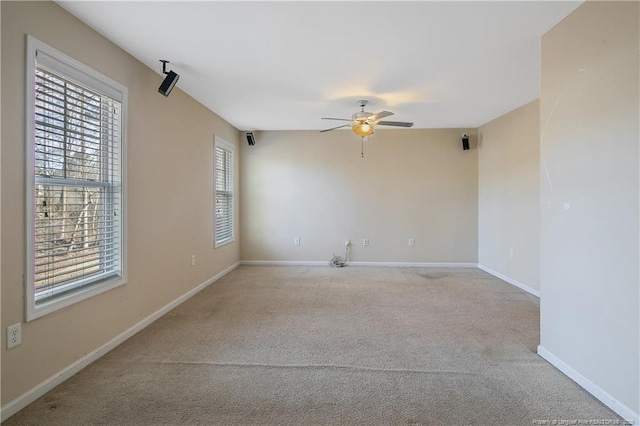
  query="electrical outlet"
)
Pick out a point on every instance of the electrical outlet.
point(365, 242)
point(14, 335)
point(347, 243)
point(412, 242)
point(296, 241)
point(193, 260)
point(511, 253)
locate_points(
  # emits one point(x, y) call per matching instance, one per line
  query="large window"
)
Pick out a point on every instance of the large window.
point(75, 190)
point(223, 181)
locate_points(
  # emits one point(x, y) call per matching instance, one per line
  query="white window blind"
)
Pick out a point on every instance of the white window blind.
point(76, 228)
point(223, 180)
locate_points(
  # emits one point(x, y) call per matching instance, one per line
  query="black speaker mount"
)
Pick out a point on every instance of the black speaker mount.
point(169, 81)
point(164, 66)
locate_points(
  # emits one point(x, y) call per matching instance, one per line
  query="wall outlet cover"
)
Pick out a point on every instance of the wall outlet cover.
point(14, 335)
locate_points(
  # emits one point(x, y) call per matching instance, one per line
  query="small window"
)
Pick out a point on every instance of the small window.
point(223, 181)
point(75, 185)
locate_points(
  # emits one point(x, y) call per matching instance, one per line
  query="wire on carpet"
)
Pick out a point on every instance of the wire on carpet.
point(339, 262)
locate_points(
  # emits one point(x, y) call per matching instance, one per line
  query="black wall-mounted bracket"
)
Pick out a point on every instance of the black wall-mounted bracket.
point(164, 66)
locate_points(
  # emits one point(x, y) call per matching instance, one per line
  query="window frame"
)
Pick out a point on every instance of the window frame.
point(82, 74)
point(226, 146)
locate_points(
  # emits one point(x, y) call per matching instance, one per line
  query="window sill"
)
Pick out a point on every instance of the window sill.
point(35, 312)
point(224, 243)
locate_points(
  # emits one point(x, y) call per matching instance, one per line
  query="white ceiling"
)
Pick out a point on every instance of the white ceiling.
point(283, 65)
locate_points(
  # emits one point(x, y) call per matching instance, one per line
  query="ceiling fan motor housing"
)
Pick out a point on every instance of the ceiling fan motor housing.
point(361, 116)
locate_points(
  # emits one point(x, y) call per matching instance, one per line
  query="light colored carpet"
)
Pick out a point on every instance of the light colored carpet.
point(316, 345)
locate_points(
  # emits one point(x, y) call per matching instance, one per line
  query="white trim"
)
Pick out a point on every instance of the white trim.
point(618, 407)
point(74, 70)
point(30, 111)
point(223, 144)
point(225, 242)
point(511, 281)
point(71, 298)
point(12, 407)
point(284, 263)
point(326, 263)
point(417, 264)
point(41, 53)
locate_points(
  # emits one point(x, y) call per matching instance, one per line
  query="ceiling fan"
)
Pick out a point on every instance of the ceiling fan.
point(363, 122)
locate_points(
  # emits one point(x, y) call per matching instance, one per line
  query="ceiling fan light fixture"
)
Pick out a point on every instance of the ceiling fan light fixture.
point(362, 129)
point(363, 122)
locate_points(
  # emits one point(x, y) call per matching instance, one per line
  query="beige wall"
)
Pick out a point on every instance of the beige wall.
point(509, 196)
point(170, 202)
point(411, 184)
point(589, 187)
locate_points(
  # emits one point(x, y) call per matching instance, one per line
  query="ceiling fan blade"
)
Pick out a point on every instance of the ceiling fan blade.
point(395, 123)
point(378, 116)
point(333, 128)
point(339, 119)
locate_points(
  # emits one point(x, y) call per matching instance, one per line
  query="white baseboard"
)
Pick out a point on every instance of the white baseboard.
point(284, 262)
point(417, 264)
point(621, 409)
point(40, 389)
point(511, 281)
point(326, 263)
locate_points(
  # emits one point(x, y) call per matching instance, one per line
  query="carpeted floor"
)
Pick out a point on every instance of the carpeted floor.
point(316, 345)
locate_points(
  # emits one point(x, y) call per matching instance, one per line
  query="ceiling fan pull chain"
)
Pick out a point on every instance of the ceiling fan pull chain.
point(362, 147)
